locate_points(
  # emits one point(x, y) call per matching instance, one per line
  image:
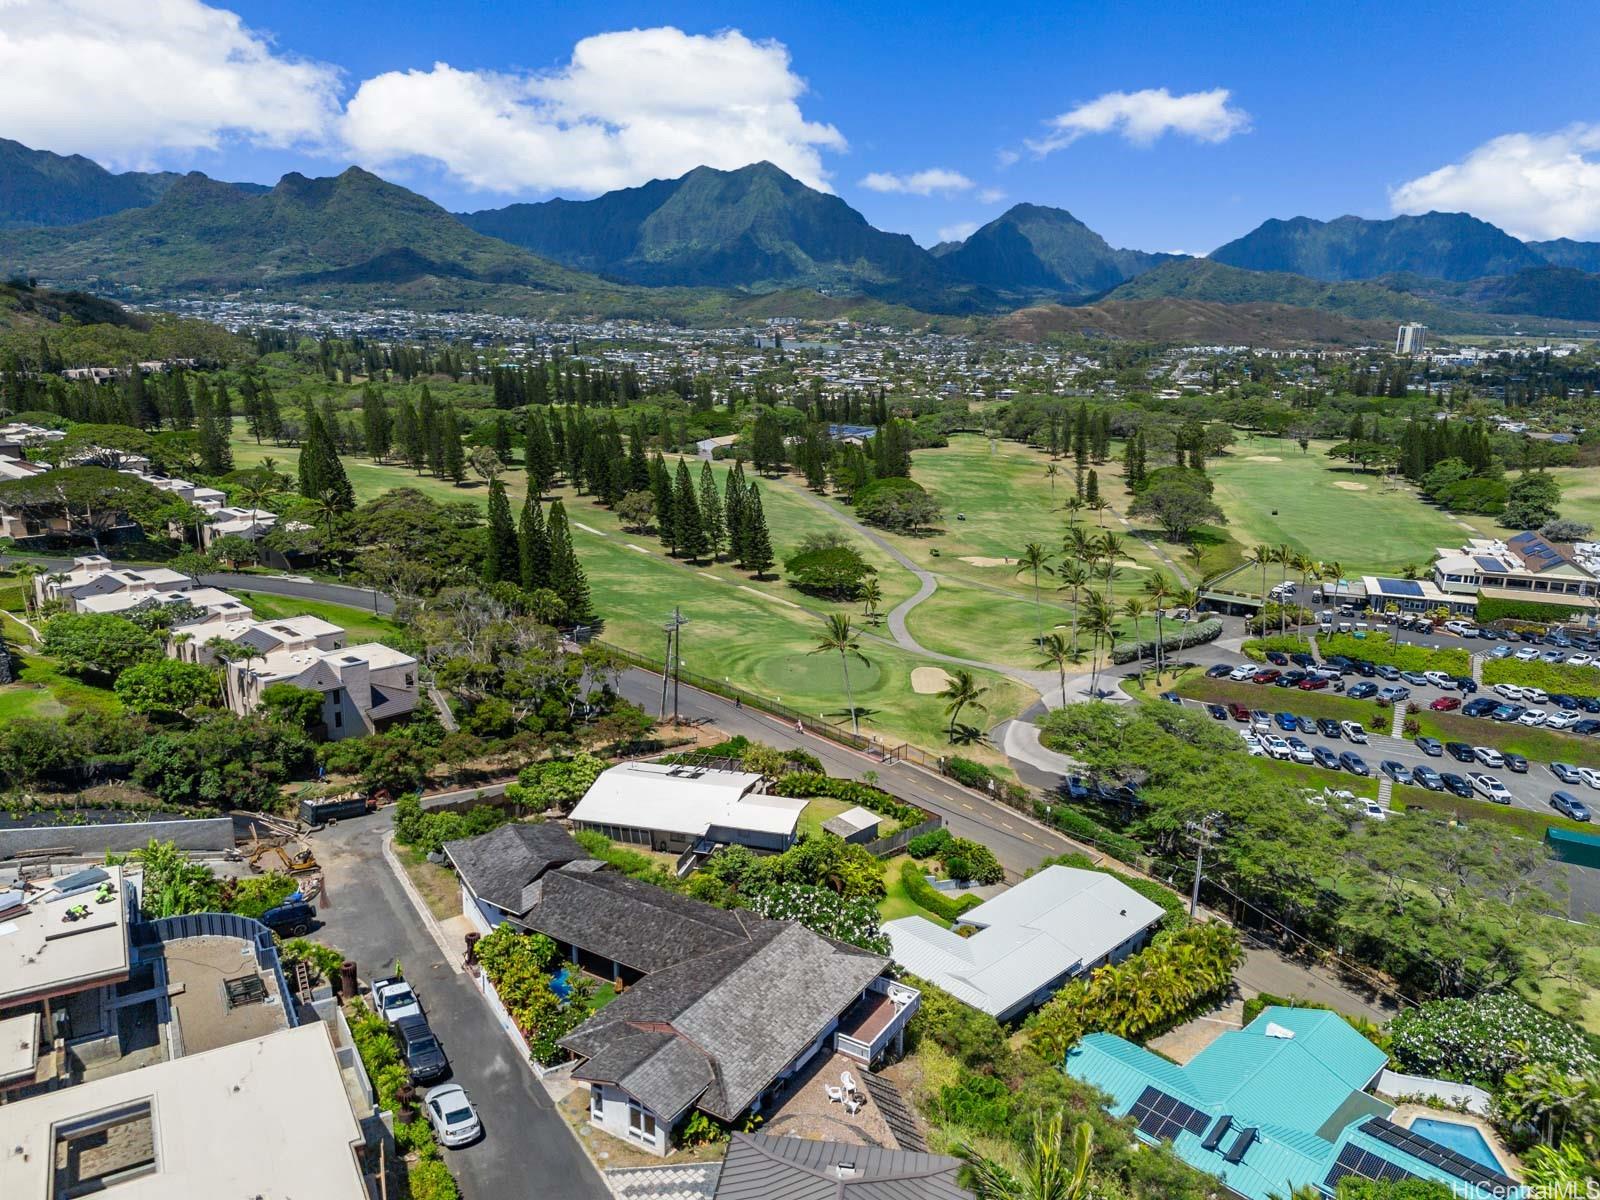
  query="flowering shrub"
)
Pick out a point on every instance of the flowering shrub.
point(1479, 1041)
point(518, 965)
point(824, 911)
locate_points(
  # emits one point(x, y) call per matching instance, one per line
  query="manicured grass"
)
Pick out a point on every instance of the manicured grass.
point(42, 690)
point(1365, 526)
point(1461, 808)
point(1555, 678)
point(362, 624)
point(1538, 745)
point(1406, 656)
point(896, 903)
point(819, 810)
point(1580, 500)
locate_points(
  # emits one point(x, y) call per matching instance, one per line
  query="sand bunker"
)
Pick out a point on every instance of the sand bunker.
point(926, 681)
point(977, 560)
point(1348, 486)
point(1263, 458)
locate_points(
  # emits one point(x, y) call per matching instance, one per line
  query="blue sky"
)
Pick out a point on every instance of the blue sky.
point(1190, 123)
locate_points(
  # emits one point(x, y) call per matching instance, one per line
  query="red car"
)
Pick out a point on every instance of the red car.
point(1313, 683)
point(1265, 676)
point(1445, 704)
point(1239, 713)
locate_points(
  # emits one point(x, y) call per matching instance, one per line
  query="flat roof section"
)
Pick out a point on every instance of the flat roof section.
point(45, 953)
point(267, 1117)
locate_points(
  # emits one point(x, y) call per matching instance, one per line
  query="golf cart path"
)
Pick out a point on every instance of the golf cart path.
point(1046, 683)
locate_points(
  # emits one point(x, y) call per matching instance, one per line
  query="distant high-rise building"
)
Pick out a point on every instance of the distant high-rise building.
point(1411, 339)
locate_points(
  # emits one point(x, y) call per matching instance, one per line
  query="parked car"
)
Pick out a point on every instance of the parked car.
point(294, 919)
point(1565, 772)
point(393, 997)
point(1480, 707)
point(1533, 716)
point(1515, 762)
point(1301, 659)
point(1172, 698)
point(1362, 691)
point(1591, 777)
point(1569, 806)
point(1300, 752)
point(1488, 756)
point(1239, 712)
point(1277, 658)
point(1507, 712)
point(1354, 763)
point(1491, 789)
point(1394, 693)
point(1373, 811)
point(1429, 746)
point(1396, 771)
point(1286, 721)
point(1252, 744)
point(1218, 671)
point(1526, 654)
point(1307, 725)
point(1445, 704)
point(1455, 784)
point(1501, 652)
point(1459, 751)
point(455, 1122)
point(1587, 728)
point(1564, 702)
point(1465, 684)
point(423, 1055)
point(1353, 732)
point(1313, 683)
point(1427, 777)
point(1440, 680)
point(1266, 676)
point(1415, 678)
point(1385, 671)
point(1509, 690)
point(1562, 720)
point(1217, 712)
point(1275, 746)
point(1242, 672)
point(1328, 727)
point(1325, 757)
point(1260, 718)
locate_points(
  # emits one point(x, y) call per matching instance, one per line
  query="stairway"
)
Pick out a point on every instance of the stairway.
point(896, 1112)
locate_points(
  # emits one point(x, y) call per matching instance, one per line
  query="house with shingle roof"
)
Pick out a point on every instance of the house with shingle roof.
point(762, 1167)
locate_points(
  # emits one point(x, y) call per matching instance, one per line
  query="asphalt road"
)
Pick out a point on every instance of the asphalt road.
point(526, 1149)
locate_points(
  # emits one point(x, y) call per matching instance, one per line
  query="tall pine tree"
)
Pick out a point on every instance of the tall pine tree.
point(567, 579)
point(686, 518)
point(501, 553)
point(533, 546)
point(452, 457)
point(757, 553)
point(322, 475)
point(711, 510)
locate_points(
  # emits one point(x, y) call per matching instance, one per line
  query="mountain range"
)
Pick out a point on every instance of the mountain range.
point(714, 243)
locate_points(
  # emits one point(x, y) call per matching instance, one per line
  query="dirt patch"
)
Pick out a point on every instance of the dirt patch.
point(927, 681)
point(978, 560)
point(1348, 486)
point(1263, 458)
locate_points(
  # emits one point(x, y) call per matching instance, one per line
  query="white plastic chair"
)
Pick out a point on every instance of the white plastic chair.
point(848, 1080)
point(835, 1095)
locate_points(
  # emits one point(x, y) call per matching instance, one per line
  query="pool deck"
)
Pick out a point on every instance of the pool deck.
point(1509, 1163)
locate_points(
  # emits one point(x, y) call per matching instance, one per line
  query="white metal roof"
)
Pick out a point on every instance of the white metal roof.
point(1049, 924)
point(687, 800)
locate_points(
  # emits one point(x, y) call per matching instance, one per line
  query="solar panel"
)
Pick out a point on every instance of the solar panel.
point(1164, 1117)
point(1431, 1152)
point(1218, 1132)
point(1363, 1164)
point(1402, 587)
point(1240, 1144)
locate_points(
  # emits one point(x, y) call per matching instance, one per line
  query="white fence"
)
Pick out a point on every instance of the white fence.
point(1476, 1100)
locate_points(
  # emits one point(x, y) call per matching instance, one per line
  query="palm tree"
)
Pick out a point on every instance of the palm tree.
point(1077, 576)
point(1057, 654)
point(1034, 558)
point(1158, 590)
point(1100, 504)
point(1074, 506)
point(1051, 471)
point(1283, 555)
point(1112, 550)
point(1134, 609)
point(962, 692)
point(838, 635)
point(1050, 1170)
point(871, 597)
point(1101, 622)
point(1075, 543)
point(1260, 555)
point(256, 493)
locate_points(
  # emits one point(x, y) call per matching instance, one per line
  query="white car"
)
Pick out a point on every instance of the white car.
point(1242, 672)
point(1353, 732)
point(1252, 744)
point(1562, 720)
point(1536, 695)
point(451, 1114)
point(1590, 776)
point(1526, 654)
point(1373, 810)
point(1301, 753)
point(1491, 789)
point(1488, 756)
point(1459, 628)
point(1508, 690)
point(394, 998)
point(1534, 716)
point(1276, 747)
point(1579, 660)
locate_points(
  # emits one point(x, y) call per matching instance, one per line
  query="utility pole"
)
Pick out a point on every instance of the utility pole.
point(1202, 835)
point(673, 629)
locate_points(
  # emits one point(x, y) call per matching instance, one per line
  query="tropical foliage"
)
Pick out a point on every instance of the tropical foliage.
point(1481, 1041)
point(518, 965)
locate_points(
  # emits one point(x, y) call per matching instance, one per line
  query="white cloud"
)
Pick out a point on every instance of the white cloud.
point(919, 183)
point(129, 84)
point(1143, 117)
point(1533, 185)
point(1006, 158)
point(959, 232)
point(629, 106)
point(991, 195)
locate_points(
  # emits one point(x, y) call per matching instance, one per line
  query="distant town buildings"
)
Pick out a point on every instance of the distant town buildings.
point(1411, 339)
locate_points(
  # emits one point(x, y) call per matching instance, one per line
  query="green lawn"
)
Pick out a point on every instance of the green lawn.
point(819, 810)
point(1327, 509)
point(42, 690)
point(362, 625)
point(896, 903)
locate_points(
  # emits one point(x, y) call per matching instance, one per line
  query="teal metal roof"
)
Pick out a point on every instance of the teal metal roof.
point(1287, 1088)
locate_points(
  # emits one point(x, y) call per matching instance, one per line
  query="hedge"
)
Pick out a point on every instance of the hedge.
point(980, 778)
point(1075, 824)
point(1378, 648)
point(802, 785)
point(1289, 643)
point(1554, 678)
point(925, 895)
point(1177, 910)
point(1493, 608)
point(1187, 636)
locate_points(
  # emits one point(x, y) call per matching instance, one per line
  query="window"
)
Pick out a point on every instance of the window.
point(410, 679)
point(597, 1102)
point(338, 718)
point(100, 1151)
point(641, 1122)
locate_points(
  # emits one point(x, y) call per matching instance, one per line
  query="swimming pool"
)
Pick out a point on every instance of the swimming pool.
point(1463, 1139)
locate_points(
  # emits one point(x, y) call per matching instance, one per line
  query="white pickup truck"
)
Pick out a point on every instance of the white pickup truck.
point(394, 998)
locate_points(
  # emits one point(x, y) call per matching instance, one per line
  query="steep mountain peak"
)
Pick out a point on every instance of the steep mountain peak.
point(1037, 250)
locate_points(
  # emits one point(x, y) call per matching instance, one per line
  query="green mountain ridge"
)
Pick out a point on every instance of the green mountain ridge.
point(1034, 250)
point(755, 229)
